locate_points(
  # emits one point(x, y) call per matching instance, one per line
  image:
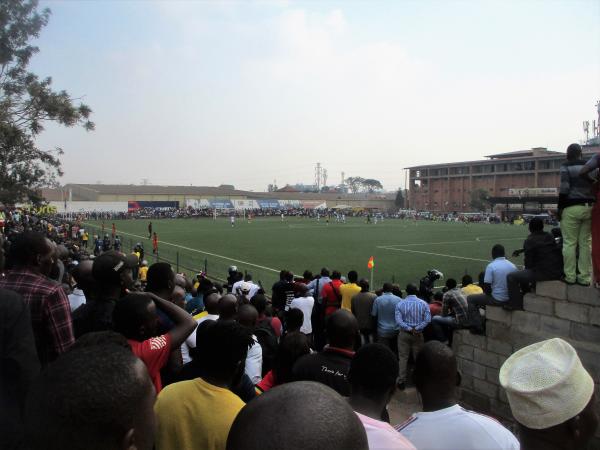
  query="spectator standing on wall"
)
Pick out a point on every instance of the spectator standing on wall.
point(575, 202)
point(590, 171)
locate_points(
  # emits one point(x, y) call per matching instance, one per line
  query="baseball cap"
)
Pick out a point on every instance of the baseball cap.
point(110, 264)
point(546, 384)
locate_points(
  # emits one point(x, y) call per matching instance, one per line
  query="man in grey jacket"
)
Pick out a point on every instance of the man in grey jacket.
point(575, 202)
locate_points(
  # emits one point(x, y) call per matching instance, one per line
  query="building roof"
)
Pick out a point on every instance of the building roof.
point(537, 151)
point(133, 189)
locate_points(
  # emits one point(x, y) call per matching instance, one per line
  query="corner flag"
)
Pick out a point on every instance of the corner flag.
point(371, 263)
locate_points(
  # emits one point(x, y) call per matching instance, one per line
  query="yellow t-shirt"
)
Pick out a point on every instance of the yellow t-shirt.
point(472, 289)
point(143, 272)
point(348, 291)
point(195, 415)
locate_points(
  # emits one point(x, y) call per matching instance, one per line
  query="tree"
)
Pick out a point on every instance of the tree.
point(399, 202)
point(372, 185)
point(26, 103)
point(479, 199)
point(354, 183)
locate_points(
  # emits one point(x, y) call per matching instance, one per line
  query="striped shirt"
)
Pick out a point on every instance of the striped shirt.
point(455, 303)
point(412, 313)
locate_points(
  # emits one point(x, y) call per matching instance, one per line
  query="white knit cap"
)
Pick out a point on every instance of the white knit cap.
point(546, 384)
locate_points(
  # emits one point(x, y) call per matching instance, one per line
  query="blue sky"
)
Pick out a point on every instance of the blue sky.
point(243, 93)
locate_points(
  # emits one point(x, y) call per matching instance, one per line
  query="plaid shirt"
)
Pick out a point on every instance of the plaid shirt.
point(50, 311)
point(455, 303)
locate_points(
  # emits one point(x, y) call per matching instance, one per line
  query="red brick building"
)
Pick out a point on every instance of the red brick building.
point(505, 176)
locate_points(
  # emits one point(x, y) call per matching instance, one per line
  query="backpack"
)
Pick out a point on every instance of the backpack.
point(265, 335)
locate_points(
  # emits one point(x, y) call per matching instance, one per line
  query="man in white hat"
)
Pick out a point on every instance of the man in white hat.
point(551, 396)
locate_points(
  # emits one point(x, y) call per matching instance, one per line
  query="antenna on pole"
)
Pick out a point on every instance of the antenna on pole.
point(318, 174)
point(324, 177)
point(343, 178)
point(586, 130)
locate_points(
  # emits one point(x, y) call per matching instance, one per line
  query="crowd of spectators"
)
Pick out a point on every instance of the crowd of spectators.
point(100, 351)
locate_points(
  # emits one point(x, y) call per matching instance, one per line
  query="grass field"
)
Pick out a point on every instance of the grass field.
point(403, 250)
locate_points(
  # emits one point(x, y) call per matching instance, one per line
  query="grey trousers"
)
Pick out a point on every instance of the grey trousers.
point(407, 342)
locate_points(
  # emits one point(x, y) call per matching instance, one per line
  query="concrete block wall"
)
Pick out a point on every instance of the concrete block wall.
point(555, 310)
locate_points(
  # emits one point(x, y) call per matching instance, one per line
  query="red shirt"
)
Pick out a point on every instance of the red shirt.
point(435, 308)
point(154, 352)
point(333, 298)
point(266, 383)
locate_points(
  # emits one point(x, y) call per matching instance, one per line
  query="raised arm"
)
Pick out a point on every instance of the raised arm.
point(184, 323)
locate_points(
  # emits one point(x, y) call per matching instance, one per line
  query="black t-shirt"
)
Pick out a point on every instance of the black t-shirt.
point(283, 294)
point(95, 315)
point(330, 367)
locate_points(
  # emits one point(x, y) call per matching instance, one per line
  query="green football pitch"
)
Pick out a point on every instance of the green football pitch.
point(403, 250)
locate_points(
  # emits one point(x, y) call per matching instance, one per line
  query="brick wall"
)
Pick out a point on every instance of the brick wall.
point(555, 310)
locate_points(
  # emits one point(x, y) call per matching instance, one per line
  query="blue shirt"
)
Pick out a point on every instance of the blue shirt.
point(495, 275)
point(384, 308)
point(313, 284)
point(412, 312)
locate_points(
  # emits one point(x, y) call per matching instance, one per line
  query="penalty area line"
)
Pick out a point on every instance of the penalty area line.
point(195, 250)
point(432, 254)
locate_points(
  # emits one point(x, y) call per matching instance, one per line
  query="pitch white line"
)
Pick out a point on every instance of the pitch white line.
point(432, 254)
point(455, 242)
point(194, 250)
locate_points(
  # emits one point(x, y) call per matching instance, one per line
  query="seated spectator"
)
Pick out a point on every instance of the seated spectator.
point(321, 420)
point(495, 286)
point(331, 366)
point(292, 347)
point(349, 290)
point(135, 318)
point(444, 424)
point(384, 311)
point(30, 259)
point(92, 398)
point(361, 306)
point(468, 288)
point(248, 317)
point(293, 320)
point(412, 316)
point(304, 303)
point(210, 313)
point(112, 276)
point(197, 414)
point(373, 374)
point(551, 396)
point(543, 262)
point(455, 312)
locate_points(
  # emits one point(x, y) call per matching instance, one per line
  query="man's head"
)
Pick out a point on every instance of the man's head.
point(160, 279)
point(325, 272)
point(228, 306)
point(293, 320)
point(550, 393)
point(33, 251)
point(451, 283)
point(98, 397)
point(82, 273)
point(112, 270)
point(178, 296)
point(466, 280)
point(259, 301)
point(364, 285)
point(211, 303)
point(373, 373)
point(387, 287)
point(321, 419)
point(135, 317)
point(247, 316)
point(435, 373)
point(573, 152)
point(342, 329)
point(536, 225)
point(336, 275)
point(411, 289)
point(289, 276)
point(221, 348)
point(352, 276)
point(498, 251)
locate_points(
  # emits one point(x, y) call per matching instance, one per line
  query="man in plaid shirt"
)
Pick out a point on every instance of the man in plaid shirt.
point(30, 258)
point(455, 310)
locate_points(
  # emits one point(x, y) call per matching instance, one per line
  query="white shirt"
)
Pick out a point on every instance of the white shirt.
point(304, 304)
point(253, 288)
point(190, 341)
point(455, 428)
point(381, 435)
point(76, 299)
point(254, 362)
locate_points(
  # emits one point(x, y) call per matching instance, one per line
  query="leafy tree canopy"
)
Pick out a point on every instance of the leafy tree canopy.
point(26, 103)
